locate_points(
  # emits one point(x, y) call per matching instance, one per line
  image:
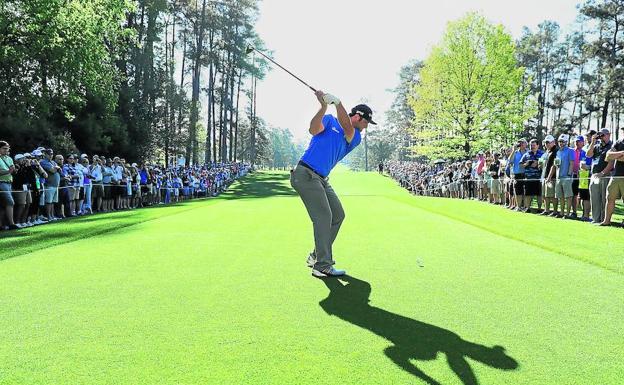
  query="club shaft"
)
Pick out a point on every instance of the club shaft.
point(280, 66)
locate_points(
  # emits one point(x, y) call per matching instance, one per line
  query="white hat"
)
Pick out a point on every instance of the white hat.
point(564, 138)
point(19, 156)
point(549, 138)
point(37, 153)
point(84, 156)
point(134, 165)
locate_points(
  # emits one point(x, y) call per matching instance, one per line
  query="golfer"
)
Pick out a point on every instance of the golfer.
point(332, 139)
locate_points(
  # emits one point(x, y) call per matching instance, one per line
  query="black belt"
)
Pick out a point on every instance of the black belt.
point(304, 164)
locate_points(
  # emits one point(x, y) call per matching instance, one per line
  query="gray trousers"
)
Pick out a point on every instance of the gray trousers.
point(324, 209)
point(598, 195)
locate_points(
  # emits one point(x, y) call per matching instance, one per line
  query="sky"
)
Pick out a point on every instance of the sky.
point(354, 49)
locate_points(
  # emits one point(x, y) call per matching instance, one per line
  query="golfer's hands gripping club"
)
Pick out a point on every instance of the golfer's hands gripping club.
point(331, 99)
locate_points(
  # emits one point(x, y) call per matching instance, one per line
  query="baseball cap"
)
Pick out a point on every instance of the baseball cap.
point(580, 138)
point(605, 131)
point(84, 156)
point(19, 156)
point(27, 155)
point(522, 140)
point(549, 138)
point(564, 138)
point(364, 111)
point(37, 153)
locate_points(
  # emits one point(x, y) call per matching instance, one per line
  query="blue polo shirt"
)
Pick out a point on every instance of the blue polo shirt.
point(328, 147)
point(531, 172)
point(517, 169)
point(565, 155)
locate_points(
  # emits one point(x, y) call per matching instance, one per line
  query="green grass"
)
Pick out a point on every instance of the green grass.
point(216, 292)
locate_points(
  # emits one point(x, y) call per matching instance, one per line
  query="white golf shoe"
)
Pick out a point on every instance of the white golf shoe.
point(330, 272)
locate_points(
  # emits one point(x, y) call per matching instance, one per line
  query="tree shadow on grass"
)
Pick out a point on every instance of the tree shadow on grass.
point(411, 339)
point(19, 242)
point(260, 185)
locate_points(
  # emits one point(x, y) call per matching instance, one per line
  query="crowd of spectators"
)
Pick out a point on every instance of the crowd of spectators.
point(573, 178)
point(41, 186)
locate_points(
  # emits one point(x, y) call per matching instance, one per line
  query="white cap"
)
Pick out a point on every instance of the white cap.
point(84, 156)
point(37, 153)
point(564, 137)
point(19, 156)
point(549, 138)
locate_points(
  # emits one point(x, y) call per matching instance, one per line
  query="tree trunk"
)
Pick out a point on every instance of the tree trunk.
point(240, 78)
point(192, 145)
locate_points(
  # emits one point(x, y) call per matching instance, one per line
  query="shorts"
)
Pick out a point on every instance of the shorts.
point(117, 190)
point(584, 194)
point(519, 184)
point(69, 193)
point(615, 189)
point(42, 195)
point(51, 195)
point(22, 197)
point(548, 189)
point(575, 185)
point(97, 191)
point(532, 187)
point(496, 186)
point(6, 198)
point(563, 188)
point(107, 192)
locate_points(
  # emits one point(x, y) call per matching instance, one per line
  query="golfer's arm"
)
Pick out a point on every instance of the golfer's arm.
point(316, 124)
point(345, 122)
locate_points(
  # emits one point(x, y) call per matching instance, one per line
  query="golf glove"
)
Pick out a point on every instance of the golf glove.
point(331, 99)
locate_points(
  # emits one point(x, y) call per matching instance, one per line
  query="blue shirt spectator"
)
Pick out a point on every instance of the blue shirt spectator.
point(565, 157)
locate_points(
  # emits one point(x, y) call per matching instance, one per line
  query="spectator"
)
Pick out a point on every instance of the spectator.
point(548, 174)
point(97, 192)
point(84, 204)
point(615, 189)
point(518, 175)
point(7, 169)
point(579, 157)
point(601, 168)
point(21, 190)
point(72, 185)
point(66, 189)
point(52, 183)
point(530, 163)
point(107, 177)
point(564, 163)
point(584, 187)
point(36, 187)
point(494, 170)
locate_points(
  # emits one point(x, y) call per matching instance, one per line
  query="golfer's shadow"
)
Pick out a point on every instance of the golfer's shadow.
point(411, 339)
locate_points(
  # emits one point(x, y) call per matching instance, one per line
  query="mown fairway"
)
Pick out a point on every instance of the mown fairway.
point(217, 292)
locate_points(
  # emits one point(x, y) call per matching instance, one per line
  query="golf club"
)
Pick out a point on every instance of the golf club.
point(251, 48)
